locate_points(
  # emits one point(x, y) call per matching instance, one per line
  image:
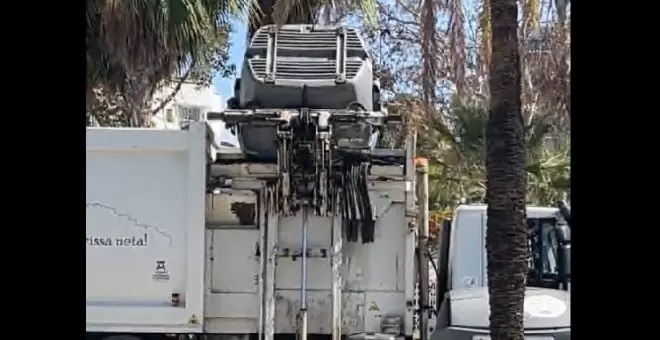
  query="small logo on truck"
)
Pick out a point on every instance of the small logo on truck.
point(161, 273)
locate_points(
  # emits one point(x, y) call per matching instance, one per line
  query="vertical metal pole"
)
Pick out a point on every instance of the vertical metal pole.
point(410, 324)
point(262, 208)
point(336, 263)
point(423, 232)
point(272, 233)
point(303, 270)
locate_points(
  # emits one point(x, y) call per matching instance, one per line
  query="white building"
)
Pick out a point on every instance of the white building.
point(191, 103)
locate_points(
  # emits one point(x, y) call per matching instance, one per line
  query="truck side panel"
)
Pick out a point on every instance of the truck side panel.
point(145, 230)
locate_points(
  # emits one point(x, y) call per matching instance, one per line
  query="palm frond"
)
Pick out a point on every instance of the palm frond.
point(457, 172)
point(307, 11)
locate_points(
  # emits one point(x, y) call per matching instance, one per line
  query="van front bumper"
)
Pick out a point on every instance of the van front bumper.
point(462, 333)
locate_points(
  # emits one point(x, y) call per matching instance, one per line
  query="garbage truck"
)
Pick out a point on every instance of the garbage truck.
point(462, 292)
point(307, 230)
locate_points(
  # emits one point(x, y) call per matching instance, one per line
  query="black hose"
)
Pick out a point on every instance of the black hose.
point(368, 224)
point(352, 232)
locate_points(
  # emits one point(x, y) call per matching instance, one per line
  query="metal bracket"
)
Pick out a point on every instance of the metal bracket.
point(321, 252)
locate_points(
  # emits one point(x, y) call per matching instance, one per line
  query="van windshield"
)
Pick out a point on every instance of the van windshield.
point(544, 245)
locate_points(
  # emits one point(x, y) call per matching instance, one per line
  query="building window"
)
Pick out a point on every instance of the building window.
point(190, 113)
point(169, 115)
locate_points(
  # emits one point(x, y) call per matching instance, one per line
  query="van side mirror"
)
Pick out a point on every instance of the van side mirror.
point(565, 252)
point(565, 211)
point(563, 233)
point(565, 261)
point(443, 279)
point(446, 224)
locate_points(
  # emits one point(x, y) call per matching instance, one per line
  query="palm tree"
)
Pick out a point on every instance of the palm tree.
point(506, 186)
point(457, 155)
point(133, 45)
point(505, 143)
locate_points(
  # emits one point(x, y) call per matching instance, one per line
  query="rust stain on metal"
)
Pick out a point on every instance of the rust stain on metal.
point(290, 310)
point(245, 212)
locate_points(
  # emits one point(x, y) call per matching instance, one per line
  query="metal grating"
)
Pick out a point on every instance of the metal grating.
point(313, 40)
point(352, 68)
point(307, 69)
point(258, 67)
point(306, 53)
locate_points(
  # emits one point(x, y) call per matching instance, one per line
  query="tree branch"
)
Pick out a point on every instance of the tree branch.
point(175, 91)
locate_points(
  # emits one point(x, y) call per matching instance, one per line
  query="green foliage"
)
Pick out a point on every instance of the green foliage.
point(136, 46)
point(133, 46)
point(457, 151)
point(282, 12)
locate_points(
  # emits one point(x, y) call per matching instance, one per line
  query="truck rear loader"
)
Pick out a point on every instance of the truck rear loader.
point(308, 230)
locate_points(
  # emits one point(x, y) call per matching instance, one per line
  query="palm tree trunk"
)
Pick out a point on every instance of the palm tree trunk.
point(301, 13)
point(265, 17)
point(506, 237)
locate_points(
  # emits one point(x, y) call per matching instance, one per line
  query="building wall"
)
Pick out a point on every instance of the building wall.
point(191, 102)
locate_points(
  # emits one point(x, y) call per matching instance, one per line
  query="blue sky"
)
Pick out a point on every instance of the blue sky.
point(225, 86)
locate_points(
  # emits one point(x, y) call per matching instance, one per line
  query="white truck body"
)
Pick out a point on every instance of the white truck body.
point(153, 231)
point(145, 229)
